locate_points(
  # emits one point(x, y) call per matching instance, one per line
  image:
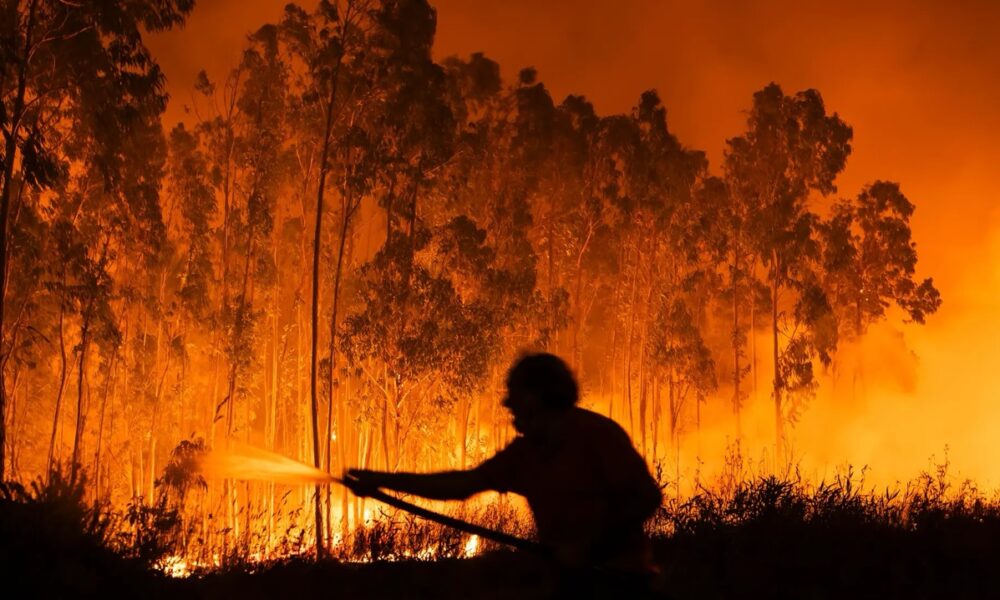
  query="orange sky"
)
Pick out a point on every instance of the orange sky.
point(917, 79)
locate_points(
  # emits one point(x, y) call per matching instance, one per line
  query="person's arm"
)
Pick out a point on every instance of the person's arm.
point(497, 473)
point(446, 485)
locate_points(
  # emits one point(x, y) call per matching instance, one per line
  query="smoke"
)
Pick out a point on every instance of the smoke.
point(901, 401)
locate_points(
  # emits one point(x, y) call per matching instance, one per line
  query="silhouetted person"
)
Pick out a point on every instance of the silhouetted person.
point(589, 490)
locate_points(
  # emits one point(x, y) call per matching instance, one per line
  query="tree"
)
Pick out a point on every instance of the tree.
point(869, 262)
point(261, 166)
point(330, 44)
point(503, 179)
point(87, 61)
point(791, 147)
point(191, 182)
point(428, 333)
point(679, 349)
point(870, 259)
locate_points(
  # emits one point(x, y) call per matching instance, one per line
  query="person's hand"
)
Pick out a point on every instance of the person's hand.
point(363, 482)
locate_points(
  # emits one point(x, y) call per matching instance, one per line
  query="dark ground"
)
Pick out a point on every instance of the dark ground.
point(767, 539)
point(750, 563)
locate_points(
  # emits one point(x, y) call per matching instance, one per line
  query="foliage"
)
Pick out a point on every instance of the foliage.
point(930, 537)
point(870, 259)
point(52, 539)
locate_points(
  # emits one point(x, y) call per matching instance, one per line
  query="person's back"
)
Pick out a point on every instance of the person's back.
point(588, 489)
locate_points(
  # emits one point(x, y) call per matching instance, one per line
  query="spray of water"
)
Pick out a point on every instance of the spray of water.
point(240, 461)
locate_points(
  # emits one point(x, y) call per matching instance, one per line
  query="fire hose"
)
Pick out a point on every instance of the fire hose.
point(242, 461)
point(483, 532)
point(458, 524)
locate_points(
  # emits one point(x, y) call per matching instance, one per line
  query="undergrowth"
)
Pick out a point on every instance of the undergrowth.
point(761, 536)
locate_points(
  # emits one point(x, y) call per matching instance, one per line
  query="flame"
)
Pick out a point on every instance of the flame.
point(175, 566)
point(472, 546)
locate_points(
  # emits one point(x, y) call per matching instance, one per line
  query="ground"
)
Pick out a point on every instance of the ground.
point(765, 539)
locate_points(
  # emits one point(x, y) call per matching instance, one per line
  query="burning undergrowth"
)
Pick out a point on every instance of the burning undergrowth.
point(381, 533)
point(761, 534)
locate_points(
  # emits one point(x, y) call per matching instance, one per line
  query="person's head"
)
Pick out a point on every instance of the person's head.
point(539, 386)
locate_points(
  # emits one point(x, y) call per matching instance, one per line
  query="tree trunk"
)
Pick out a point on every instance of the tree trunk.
point(752, 325)
point(612, 377)
point(301, 409)
point(642, 372)
point(464, 411)
point(10, 157)
point(348, 210)
point(579, 317)
point(154, 427)
point(14, 425)
point(779, 432)
point(737, 400)
point(154, 421)
point(78, 433)
point(271, 413)
point(125, 373)
point(672, 398)
point(630, 338)
point(112, 365)
point(345, 443)
point(657, 410)
point(385, 433)
point(62, 383)
point(317, 245)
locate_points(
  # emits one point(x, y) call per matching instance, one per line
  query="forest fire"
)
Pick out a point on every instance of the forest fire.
point(225, 286)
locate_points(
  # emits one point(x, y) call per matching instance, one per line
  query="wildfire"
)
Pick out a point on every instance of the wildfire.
point(722, 349)
point(472, 546)
point(175, 566)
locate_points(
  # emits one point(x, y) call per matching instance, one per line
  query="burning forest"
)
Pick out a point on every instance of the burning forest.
point(318, 259)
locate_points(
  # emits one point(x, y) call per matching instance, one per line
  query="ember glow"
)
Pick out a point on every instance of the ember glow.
point(175, 566)
point(309, 260)
point(472, 546)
